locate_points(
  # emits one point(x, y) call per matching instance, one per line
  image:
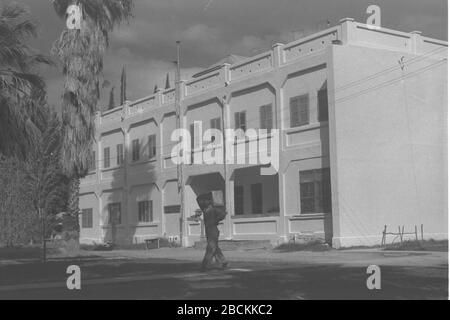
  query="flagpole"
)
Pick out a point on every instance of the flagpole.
point(179, 165)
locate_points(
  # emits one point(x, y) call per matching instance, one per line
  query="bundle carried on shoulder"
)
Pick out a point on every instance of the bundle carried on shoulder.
point(215, 199)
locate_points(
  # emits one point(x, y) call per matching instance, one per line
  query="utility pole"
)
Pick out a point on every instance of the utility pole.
point(180, 165)
point(224, 139)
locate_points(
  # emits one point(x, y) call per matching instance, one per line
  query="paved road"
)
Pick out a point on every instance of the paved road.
point(116, 277)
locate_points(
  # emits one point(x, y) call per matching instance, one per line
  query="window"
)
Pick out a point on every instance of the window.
point(114, 213)
point(265, 116)
point(322, 104)
point(135, 150)
point(215, 123)
point(240, 121)
point(119, 149)
point(86, 218)
point(238, 200)
point(299, 110)
point(192, 132)
point(256, 191)
point(91, 164)
point(315, 191)
point(145, 211)
point(152, 146)
point(106, 159)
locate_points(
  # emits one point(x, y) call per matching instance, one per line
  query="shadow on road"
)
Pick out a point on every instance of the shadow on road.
point(175, 279)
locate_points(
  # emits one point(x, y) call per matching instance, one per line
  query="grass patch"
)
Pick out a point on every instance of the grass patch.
point(163, 243)
point(413, 245)
point(17, 253)
point(360, 247)
point(96, 247)
point(408, 245)
point(309, 246)
point(20, 253)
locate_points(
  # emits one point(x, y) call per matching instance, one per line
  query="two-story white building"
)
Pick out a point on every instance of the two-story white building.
point(362, 120)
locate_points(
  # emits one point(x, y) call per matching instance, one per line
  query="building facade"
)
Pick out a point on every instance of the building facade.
point(361, 116)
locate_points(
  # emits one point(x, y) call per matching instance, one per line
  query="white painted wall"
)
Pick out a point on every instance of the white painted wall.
point(388, 146)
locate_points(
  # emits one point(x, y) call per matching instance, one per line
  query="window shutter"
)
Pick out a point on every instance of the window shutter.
point(86, 218)
point(293, 106)
point(266, 117)
point(304, 109)
point(215, 124)
point(92, 163)
point(269, 117)
point(238, 200)
point(152, 146)
point(322, 101)
point(192, 131)
point(237, 120)
point(299, 110)
point(243, 122)
point(136, 150)
point(262, 117)
point(315, 191)
point(106, 160)
point(119, 154)
point(150, 211)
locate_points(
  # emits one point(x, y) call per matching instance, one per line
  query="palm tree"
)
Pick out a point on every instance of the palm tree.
point(81, 54)
point(45, 184)
point(33, 185)
point(20, 86)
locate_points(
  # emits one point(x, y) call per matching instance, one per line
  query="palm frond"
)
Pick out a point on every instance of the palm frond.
point(20, 85)
point(106, 13)
point(81, 55)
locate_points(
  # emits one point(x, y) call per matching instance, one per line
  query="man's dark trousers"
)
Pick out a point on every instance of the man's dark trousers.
point(212, 239)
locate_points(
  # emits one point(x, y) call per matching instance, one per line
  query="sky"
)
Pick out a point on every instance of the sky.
point(209, 30)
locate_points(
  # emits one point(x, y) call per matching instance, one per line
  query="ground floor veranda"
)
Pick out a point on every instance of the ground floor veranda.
point(260, 207)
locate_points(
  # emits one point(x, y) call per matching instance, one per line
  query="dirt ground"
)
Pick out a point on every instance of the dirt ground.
point(173, 273)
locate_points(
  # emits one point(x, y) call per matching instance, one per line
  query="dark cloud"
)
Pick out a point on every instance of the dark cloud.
point(212, 29)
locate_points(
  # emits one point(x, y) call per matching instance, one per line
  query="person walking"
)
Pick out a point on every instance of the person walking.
point(212, 215)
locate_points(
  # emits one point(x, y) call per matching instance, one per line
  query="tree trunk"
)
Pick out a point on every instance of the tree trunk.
point(73, 208)
point(44, 244)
